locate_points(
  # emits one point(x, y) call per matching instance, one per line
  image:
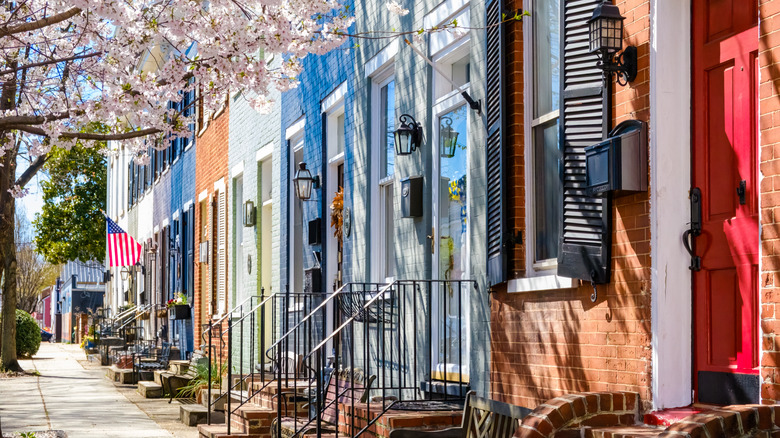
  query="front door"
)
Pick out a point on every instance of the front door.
point(725, 288)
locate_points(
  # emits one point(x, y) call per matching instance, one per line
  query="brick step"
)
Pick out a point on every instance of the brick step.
point(667, 417)
point(253, 420)
point(637, 431)
point(192, 414)
point(220, 431)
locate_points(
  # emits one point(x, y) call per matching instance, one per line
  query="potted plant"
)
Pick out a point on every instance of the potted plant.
point(197, 388)
point(178, 307)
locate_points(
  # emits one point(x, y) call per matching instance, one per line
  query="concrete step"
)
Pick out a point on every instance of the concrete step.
point(193, 414)
point(638, 431)
point(124, 376)
point(178, 366)
point(149, 389)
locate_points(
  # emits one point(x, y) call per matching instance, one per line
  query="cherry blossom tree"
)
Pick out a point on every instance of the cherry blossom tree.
point(67, 65)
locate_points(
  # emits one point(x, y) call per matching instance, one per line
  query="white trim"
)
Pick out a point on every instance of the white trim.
point(544, 282)
point(203, 195)
point(166, 222)
point(381, 59)
point(264, 152)
point(450, 100)
point(175, 215)
point(439, 41)
point(442, 12)
point(187, 205)
point(267, 203)
point(334, 98)
point(238, 169)
point(336, 159)
point(156, 229)
point(219, 185)
point(670, 175)
point(295, 128)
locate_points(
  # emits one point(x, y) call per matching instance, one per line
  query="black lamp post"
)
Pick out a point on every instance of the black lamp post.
point(408, 136)
point(448, 138)
point(304, 182)
point(606, 39)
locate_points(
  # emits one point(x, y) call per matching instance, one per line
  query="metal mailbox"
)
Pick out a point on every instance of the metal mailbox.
point(619, 163)
point(412, 196)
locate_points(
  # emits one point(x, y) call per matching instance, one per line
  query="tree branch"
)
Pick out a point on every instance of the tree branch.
point(51, 61)
point(89, 135)
point(32, 120)
point(44, 22)
point(34, 167)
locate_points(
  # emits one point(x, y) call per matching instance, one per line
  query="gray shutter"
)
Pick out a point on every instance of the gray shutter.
point(585, 232)
point(497, 251)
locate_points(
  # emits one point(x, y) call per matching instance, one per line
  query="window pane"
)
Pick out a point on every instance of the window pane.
point(452, 197)
point(546, 56)
point(387, 146)
point(547, 191)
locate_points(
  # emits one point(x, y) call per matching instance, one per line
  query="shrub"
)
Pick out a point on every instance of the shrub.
point(28, 334)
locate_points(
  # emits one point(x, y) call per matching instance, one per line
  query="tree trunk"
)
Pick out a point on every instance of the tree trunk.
point(8, 261)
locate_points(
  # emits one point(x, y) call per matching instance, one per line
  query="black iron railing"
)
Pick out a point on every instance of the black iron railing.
point(397, 345)
point(235, 342)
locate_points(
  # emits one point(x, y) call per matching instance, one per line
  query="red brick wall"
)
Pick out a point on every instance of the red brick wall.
point(211, 164)
point(548, 343)
point(769, 147)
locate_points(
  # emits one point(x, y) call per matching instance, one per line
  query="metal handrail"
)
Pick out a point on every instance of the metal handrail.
point(391, 305)
point(331, 297)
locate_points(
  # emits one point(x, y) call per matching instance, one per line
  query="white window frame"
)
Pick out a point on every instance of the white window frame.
point(379, 184)
point(297, 143)
point(540, 275)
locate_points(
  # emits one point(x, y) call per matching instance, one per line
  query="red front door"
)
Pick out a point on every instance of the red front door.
point(725, 48)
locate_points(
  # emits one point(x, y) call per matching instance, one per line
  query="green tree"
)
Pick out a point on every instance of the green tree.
point(71, 225)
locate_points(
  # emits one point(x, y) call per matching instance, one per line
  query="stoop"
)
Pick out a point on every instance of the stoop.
point(150, 389)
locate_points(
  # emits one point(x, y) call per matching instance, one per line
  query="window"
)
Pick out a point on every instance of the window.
point(545, 155)
point(386, 152)
point(238, 238)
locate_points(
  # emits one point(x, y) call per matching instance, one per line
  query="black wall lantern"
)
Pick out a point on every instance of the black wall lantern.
point(408, 136)
point(249, 214)
point(448, 138)
point(304, 182)
point(606, 38)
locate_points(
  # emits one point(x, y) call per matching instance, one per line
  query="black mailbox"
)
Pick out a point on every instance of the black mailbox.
point(411, 196)
point(619, 163)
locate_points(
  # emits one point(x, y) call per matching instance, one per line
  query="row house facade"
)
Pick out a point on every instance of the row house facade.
point(544, 277)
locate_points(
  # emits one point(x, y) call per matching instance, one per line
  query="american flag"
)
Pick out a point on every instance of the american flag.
point(123, 250)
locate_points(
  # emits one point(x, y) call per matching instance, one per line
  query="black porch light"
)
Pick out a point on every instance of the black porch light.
point(304, 182)
point(125, 273)
point(408, 136)
point(448, 138)
point(605, 30)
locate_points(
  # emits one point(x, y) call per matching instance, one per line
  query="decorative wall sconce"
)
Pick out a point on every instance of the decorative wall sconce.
point(408, 136)
point(249, 214)
point(305, 182)
point(606, 39)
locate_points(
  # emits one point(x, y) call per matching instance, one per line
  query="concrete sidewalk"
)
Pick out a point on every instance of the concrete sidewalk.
point(74, 396)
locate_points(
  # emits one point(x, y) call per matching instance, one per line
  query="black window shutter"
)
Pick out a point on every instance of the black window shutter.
point(495, 110)
point(584, 251)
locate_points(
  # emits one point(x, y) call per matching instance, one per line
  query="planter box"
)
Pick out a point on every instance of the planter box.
point(179, 311)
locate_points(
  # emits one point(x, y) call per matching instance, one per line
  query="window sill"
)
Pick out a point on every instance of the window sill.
point(545, 282)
